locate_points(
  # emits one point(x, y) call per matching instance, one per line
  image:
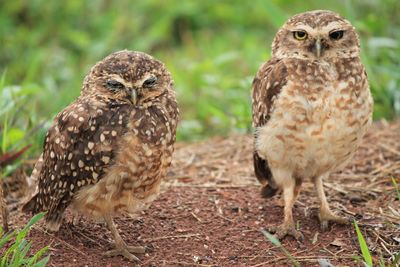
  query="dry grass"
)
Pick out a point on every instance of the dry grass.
point(366, 182)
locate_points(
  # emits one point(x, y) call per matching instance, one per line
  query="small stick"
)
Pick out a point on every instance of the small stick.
point(169, 236)
point(197, 218)
point(3, 207)
point(60, 240)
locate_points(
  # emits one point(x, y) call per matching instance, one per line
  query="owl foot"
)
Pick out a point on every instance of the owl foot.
point(326, 217)
point(126, 251)
point(286, 230)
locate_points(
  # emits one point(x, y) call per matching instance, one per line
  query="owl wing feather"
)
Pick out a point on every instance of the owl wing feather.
point(267, 84)
point(78, 149)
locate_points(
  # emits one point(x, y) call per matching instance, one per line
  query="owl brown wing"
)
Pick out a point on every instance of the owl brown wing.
point(78, 148)
point(267, 84)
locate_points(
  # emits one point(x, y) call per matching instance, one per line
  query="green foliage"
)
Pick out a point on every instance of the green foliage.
point(17, 253)
point(212, 48)
point(363, 246)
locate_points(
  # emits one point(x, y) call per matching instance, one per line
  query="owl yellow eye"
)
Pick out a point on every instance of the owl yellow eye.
point(300, 35)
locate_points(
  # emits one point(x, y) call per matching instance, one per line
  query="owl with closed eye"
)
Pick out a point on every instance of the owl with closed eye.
point(107, 152)
point(311, 106)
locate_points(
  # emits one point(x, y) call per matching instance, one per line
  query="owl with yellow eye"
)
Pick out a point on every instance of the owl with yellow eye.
point(311, 107)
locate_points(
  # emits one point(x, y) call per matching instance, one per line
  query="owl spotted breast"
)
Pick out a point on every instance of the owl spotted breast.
point(311, 107)
point(107, 152)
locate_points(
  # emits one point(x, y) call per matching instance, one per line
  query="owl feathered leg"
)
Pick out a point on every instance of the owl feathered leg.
point(325, 213)
point(121, 248)
point(291, 190)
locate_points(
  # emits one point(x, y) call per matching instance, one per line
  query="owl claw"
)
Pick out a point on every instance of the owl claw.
point(126, 252)
point(284, 230)
point(326, 217)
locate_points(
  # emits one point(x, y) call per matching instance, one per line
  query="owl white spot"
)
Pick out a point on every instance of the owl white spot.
point(52, 177)
point(148, 153)
point(81, 164)
point(70, 128)
point(113, 133)
point(72, 187)
point(74, 174)
point(81, 119)
point(95, 175)
point(90, 145)
point(60, 183)
point(57, 140)
point(92, 128)
point(86, 151)
point(102, 138)
point(105, 159)
point(52, 155)
point(75, 115)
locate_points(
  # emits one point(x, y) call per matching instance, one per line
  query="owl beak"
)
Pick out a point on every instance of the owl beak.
point(318, 47)
point(134, 96)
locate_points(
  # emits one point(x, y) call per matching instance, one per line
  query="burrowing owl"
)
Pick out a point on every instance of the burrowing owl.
point(107, 152)
point(311, 107)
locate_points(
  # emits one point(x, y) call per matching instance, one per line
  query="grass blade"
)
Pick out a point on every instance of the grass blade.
point(363, 246)
point(278, 244)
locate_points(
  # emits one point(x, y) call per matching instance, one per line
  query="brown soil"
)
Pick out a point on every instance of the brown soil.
point(210, 213)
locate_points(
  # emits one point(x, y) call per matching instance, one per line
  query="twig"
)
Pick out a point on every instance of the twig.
point(169, 236)
point(60, 240)
point(194, 215)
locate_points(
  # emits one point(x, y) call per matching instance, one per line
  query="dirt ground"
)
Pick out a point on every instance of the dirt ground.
point(210, 213)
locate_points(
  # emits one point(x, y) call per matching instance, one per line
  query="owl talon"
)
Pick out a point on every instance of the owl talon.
point(284, 230)
point(136, 249)
point(125, 252)
point(326, 217)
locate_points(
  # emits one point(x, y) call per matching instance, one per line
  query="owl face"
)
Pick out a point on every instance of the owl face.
point(316, 35)
point(128, 77)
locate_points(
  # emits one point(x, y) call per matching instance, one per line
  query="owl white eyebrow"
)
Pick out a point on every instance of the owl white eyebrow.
point(303, 27)
point(119, 79)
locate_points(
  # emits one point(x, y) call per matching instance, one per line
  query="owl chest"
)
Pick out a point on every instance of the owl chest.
point(316, 129)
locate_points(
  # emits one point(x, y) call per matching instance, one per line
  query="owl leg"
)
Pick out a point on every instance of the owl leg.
point(120, 246)
point(290, 192)
point(325, 213)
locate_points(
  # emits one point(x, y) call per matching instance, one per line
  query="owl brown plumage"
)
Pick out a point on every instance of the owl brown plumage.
point(107, 152)
point(311, 107)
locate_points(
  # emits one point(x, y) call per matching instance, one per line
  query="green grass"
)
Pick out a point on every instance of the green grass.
point(363, 246)
point(279, 245)
point(19, 251)
point(212, 48)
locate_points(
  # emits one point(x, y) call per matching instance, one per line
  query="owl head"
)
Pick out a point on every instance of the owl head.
point(128, 77)
point(314, 35)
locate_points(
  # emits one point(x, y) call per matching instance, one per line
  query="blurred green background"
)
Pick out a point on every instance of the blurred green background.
point(212, 48)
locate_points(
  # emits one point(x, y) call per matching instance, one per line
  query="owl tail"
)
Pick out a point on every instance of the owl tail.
point(268, 191)
point(30, 206)
point(264, 176)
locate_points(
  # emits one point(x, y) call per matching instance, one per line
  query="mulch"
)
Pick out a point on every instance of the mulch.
point(210, 213)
